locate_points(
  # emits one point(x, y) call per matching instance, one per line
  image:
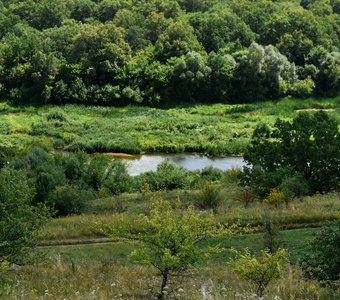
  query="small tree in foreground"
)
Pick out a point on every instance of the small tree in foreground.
point(260, 270)
point(169, 238)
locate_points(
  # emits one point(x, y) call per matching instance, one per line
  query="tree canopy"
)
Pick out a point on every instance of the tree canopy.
point(82, 50)
point(306, 148)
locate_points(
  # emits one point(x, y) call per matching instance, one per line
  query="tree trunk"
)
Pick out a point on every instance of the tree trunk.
point(165, 274)
point(260, 293)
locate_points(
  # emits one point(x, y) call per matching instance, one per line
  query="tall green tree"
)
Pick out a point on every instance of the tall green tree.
point(309, 145)
point(178, 39)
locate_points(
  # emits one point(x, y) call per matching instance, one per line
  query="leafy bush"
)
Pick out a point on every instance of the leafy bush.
point(275, 197)
point(271, 237)
point(323, 259)
point(260, 270)
point(246, 196)
point(211, 174)
point(117, 178)
point(308, 147)
point(210, 197)
point(69, 199)
point(95, 171)
point(168, 176)
point(294, 186)
point(19, 219)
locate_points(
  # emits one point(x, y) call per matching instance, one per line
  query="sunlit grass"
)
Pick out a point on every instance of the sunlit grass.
point(71, 280)
point(305, 212)
point(213, 129)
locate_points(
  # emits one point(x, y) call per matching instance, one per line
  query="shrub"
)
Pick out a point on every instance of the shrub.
point(323, 259)
point(6, 154)
point(232, 176)
point(309, 145)
point(117, 179)
point(211, 174)
point(168, 176)
point(271, 237)
point(56, 115)
point(209, 197)
point(294, 186)
point(73, 165)
point(246, 196)
point(260, 270)
point(19, 219)
point(95, 172)
point(69, 199)
point(275, 197)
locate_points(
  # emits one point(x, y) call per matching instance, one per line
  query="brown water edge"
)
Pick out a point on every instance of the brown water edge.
point(118, 155)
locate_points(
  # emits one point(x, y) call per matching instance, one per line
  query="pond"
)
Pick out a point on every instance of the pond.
point(138, 164)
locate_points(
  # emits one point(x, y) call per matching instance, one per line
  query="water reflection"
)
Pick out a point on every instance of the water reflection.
point(144, 163)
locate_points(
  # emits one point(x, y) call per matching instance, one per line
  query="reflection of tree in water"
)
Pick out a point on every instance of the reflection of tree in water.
point(188, 161)
point(179, 159)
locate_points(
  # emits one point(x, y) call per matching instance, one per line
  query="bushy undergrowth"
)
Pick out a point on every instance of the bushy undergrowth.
point(66, 181)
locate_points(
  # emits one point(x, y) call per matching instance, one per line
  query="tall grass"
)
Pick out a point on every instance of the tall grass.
point(67, 280)
point(305, 212)
point(217, 129)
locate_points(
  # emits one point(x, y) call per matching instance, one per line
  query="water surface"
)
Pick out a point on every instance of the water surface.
point(192, 162)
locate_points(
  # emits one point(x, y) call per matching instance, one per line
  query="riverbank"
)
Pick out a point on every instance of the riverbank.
point(217, 129)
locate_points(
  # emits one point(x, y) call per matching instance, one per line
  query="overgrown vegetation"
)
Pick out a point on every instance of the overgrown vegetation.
point(60, 57)
point(218, 129)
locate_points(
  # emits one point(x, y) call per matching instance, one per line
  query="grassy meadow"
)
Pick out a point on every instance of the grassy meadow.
point(80, 263)
point(308, 212)
point(216, 129)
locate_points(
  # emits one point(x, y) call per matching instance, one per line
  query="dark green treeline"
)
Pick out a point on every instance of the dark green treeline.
point(117, 52)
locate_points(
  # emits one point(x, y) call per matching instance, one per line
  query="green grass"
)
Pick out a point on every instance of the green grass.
point(307, 212)
point(103, 271)
point(213, 129)
point(117, 252)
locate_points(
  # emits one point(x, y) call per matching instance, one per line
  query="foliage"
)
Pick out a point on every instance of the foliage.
point(307, 147)
point(19, 219)
point(168, 176)
point(275, 197)
point(272, 239)
point(323, 260)
point(82, 50)
point(117, 178)
point(246, 196)
point(260, 270)
point(169, 237)
point(210, 197)
point(68, 200)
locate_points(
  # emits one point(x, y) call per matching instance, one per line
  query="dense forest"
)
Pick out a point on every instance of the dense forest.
point(118, 52)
